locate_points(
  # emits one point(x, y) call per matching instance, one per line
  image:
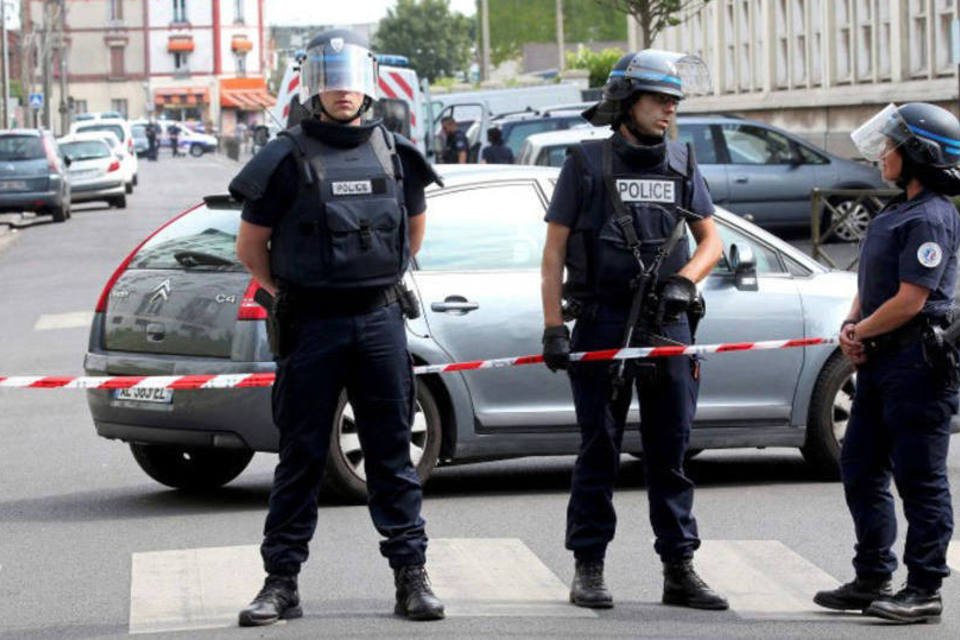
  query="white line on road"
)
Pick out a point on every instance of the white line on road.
point(188, 589)
point(71, 320)
point(763, 578)
point(953, 555)
point(496, 577)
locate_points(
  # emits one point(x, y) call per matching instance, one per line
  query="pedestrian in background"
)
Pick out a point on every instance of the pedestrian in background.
point(906, 378)
point(496, 152)
point(333, 210)
point(600, 229)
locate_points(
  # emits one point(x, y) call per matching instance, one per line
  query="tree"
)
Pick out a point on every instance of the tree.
point(654, 16)
point(437, 42)
point(597, 63)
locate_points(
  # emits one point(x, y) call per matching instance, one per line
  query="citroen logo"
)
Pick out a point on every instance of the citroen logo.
point(161, 292)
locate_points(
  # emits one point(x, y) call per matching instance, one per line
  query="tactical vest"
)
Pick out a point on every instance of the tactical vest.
point(347, 227)
point(599, 262)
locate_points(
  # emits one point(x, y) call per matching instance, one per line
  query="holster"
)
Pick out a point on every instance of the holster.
point(281, 320)
point(409, 304)
point(941, 355)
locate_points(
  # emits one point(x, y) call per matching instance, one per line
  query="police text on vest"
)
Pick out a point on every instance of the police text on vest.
point(637, 190)
point(352, 188)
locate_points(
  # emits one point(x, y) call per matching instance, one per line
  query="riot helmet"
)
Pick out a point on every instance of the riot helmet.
point(648, 71)
point(338, 60)
point(927, 135)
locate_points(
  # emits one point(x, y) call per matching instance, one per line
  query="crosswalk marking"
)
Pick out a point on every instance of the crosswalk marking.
point(763, 578)
point(71, 320)
point(496, 577)
point(953, 555)
point(188, 589)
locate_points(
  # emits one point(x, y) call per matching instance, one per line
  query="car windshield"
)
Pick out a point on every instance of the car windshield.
point(85, 149)
point(116, 129)
point(21, 148)
point(203, 239)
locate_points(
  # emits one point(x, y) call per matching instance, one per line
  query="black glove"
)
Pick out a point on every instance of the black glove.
point(556, 347)
point(676, 295)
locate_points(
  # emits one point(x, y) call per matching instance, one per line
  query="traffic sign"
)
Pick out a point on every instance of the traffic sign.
point(35, 100)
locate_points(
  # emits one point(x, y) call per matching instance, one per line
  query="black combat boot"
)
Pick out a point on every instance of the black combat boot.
point(588, 589)
point(682, 587)
point(910, 604)
point(415, 599)
point(858, 594)
point(278, 600)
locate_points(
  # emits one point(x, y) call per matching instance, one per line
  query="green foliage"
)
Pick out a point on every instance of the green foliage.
point(437, 42)
point(655, 15)
point(514, 23)
point(597, 63)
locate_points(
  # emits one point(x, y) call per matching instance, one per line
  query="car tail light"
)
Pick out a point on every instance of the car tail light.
point(114, 166)
point(52, 162)
point(249, 309)
point(130, 145)
point(105, 294)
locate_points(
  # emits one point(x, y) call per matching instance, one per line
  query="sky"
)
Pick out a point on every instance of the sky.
point(334, 12)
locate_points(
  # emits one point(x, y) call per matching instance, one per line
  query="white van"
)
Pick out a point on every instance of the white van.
point(549, 149)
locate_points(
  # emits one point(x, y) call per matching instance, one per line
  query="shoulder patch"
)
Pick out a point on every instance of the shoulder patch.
point(929, 254)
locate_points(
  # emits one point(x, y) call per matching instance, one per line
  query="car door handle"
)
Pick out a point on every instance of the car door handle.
point(741, 179)
point(455, 304)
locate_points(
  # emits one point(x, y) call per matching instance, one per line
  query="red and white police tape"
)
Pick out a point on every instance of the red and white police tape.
point(241, 380)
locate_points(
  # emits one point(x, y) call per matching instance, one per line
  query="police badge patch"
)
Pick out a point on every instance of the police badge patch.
point(929, 254)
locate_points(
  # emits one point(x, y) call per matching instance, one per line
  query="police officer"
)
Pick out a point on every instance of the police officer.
point(614, 197)
point(456, 145)
point(333, 209)
point(906, 382)
point(496, 152)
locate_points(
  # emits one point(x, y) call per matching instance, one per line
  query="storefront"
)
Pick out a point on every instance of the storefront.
point(242, 102)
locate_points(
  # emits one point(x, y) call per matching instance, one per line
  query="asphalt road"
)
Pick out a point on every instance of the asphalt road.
point(91, 548)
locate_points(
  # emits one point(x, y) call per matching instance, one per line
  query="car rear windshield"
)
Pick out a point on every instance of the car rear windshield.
point(21, 148)
point(112, 128)
point(204, 239)
point(85, 149)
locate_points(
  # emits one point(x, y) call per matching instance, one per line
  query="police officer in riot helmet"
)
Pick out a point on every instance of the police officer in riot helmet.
point(906, 374)
point(332, 212)
point(614, 206)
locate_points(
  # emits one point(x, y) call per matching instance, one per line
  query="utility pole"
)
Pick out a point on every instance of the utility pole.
point(46, 60)
point(485, 28)
point(62, 48)
point(5, 123)
point(561, 48)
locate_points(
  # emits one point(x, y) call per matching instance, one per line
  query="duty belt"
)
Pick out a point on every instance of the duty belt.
point(910, 333)
point(335, 303)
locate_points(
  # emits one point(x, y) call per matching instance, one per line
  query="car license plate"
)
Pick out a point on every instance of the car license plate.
point(12, 185)
point(159, 396)
point(81, 175)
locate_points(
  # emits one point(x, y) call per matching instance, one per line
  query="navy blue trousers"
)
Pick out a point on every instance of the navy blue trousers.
point(367, 355)
point(900, 427)
point(667, 405)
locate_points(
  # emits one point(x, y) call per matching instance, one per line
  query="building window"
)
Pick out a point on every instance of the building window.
point(79, 106)
point(180, 62)
point(241, 64)
point(116, 10)
point(180, 10)
point(116, 62)
point(238, 11)
point(119, 105)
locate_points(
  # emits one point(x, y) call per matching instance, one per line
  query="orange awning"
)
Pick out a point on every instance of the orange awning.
point(240, 44)
point(181, 95)
point(180, 44)
point(248, 94)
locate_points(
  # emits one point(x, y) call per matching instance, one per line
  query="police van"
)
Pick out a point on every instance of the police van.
point(400, 104)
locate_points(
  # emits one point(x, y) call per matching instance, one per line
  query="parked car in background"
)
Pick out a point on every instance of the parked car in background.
point(477, 273)
point(752, 168)
point(95, 170)
point(192, 142)
point(33, 174)
point(141, 145)
point(121, 129)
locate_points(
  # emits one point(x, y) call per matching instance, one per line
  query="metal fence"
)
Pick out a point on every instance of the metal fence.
point(842, 216)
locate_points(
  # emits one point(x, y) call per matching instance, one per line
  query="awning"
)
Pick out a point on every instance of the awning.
point(247, 94)
point(188, 96)
point(180, 44)
point(240, 44)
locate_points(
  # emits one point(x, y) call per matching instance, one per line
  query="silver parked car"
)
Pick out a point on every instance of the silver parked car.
point(183, 304)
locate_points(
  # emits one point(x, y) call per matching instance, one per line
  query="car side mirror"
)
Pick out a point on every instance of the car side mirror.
point(744, 265)
point(67, 160)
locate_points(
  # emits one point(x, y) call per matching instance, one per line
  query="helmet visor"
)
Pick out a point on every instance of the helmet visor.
point(336, 66)
point(694, 76)
point(886, 130)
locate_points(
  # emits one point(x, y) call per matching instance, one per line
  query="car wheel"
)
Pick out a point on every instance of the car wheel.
point(128, 187)
point(827, 418)
point(120, 202)
point(61, 213)
point(190, 469)
point(345, 477)
point(856, 217)
point(196, 150)
point(136, 181)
